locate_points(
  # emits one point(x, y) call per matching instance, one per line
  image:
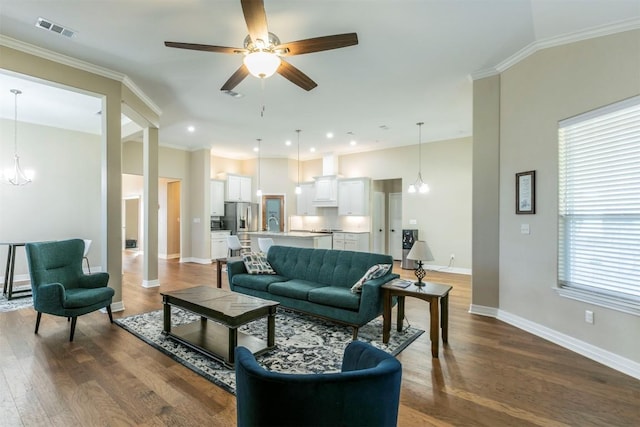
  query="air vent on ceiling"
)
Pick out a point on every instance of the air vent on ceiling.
point(45, 24)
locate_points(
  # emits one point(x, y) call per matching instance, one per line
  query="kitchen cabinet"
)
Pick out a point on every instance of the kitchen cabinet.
point(358, 242)
point(326, 191)
point(219, 247)
point(353, 196)
point(216, 189)
point(238, 188)
point(305, 204)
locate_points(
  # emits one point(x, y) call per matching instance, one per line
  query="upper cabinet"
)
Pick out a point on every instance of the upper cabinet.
point(238, 188)
point(305, 199)
point(353, 196)
point(326, 191)
point(216, 189)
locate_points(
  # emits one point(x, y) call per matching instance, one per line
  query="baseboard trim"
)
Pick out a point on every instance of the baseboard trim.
point(447, 269)
point(150, 283)
point(605, 357)
point(115, 307)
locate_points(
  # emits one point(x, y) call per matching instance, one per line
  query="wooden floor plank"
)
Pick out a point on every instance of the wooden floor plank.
point(489, 374)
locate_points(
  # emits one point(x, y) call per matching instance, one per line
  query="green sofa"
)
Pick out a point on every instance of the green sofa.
point(318, 282)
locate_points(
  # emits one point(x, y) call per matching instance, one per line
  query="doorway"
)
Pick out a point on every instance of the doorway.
point(395, 225)
point(173, 219)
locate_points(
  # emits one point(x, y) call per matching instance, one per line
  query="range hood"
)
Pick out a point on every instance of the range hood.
point(326, 186)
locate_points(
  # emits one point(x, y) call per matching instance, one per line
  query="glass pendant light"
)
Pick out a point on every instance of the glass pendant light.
point(298, 188)
point(259, 192)
point(419, 184)
point(15, 175)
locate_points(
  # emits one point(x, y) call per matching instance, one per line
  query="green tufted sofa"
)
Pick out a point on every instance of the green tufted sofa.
point(318, 282)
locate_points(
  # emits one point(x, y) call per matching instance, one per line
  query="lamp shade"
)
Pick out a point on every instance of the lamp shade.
point(420, 251)
point(262, 64)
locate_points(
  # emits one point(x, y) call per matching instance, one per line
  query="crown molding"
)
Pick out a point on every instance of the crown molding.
point(600, 31)
point(80, 65)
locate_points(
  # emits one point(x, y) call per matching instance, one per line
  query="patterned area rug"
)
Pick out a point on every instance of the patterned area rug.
point(15, 303)
point(304, 344)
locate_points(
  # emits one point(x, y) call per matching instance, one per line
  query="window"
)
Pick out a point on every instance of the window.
point(599, 206)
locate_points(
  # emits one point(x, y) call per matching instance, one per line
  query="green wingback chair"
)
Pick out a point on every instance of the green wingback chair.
point(59, 285)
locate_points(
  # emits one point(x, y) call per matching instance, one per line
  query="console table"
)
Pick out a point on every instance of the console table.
point(7, 290)
point(431, 292)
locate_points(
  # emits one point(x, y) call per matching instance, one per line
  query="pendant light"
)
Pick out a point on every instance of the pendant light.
point(15, 175)
point(419, 184)
point(259, 192)
point(298, 188)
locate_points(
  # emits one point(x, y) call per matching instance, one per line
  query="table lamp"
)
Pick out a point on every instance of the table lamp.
point(420, 252)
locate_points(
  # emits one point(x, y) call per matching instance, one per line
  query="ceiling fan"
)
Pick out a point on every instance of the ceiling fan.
point(263, 52)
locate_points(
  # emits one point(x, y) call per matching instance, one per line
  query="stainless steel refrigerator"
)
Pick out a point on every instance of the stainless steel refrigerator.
point(240, 218)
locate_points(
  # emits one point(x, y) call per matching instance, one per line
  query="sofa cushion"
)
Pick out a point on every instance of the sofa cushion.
point(258, 282)
point(295, 288)
point(374, 272)
point(256, 263)
point(336, 297)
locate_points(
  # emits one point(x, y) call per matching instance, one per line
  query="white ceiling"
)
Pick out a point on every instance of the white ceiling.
point(414, 62)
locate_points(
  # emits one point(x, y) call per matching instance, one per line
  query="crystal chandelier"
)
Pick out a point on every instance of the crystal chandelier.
point(419, 184)
point(15, 175)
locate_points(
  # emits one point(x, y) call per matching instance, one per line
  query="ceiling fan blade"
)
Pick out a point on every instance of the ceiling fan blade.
point(318, 44)
point(236, 78)
point(205, 47)
point(296, 76)
point(256, 19)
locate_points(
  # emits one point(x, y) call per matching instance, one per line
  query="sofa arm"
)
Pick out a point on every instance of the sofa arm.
point(371, 298)
point(235, 266)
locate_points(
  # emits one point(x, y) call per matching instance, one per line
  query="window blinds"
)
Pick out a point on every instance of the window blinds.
point(599, 201)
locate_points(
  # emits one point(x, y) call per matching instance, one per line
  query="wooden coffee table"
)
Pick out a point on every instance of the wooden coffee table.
point(228, 311)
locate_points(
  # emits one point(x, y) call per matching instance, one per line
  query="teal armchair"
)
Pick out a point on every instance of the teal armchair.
point(365, 393)
point(59, 285)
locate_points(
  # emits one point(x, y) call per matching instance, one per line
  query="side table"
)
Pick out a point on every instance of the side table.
point(8, 272)
point(219, 263)
point(431, 292)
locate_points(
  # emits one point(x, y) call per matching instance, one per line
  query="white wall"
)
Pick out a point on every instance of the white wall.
point(63, 201)
point(535, 94)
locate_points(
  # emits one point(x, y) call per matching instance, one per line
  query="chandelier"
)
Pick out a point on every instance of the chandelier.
point(419, 184)
point(15, 175)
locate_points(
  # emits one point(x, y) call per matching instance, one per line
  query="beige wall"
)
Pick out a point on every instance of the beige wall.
point(63, 201)
point(535, 94)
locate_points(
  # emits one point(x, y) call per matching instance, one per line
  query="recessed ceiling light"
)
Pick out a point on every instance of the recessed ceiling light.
point(329, 135)
point(352, 142)
point(287, 142)
point(256, 149)
point(312, 149)
point(191, 129)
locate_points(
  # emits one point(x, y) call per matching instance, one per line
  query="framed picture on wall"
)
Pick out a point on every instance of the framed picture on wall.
point(526, 192)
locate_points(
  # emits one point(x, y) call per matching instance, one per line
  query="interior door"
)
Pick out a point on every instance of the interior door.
point(378, 225)
point(395, 225)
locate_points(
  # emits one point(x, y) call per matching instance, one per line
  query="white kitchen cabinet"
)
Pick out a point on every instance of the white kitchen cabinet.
point(238, 188)
point(353, 196)
point(216, 188)
point(358, 242)
point(305, 204)
point(219, 247)
point(326, 194)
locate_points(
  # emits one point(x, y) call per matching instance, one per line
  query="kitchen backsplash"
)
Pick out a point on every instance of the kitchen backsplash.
point(327, 218)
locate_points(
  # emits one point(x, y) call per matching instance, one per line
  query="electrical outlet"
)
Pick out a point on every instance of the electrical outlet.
point(452, 257)
point(588, 316)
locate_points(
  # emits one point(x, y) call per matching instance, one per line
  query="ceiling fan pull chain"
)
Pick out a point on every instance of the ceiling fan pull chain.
point(262, 96)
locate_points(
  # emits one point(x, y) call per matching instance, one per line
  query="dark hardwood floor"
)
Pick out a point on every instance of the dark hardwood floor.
point(490, 373)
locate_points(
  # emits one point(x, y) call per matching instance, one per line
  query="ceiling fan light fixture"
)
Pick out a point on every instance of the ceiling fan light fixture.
point(262, 64)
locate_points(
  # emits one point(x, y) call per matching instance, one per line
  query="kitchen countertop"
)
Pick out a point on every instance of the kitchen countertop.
point(297, 234)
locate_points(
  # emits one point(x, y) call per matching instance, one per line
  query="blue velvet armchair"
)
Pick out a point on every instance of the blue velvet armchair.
point(365, 393)
point(59, 285)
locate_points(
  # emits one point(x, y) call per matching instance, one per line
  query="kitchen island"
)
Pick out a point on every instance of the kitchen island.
point(300, 239)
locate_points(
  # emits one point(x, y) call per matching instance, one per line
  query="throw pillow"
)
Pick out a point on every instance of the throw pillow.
point(256, 263)
point(374, 272)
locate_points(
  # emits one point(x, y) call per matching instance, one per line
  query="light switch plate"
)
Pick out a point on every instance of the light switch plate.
point(524, 229)
point(413, 221)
